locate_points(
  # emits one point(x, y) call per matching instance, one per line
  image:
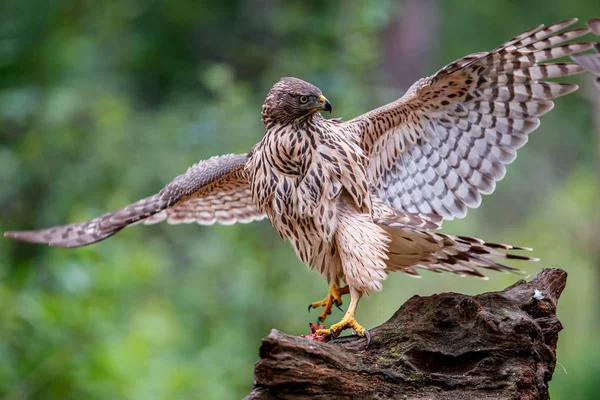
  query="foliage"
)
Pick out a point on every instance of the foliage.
point(102, 103)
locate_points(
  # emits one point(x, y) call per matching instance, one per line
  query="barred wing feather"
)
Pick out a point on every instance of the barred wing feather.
point(213, 190)
point(447, 140)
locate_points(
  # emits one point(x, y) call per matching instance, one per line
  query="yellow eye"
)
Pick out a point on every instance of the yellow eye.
point(303, 99)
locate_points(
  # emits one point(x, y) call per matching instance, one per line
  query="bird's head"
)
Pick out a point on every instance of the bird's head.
point(293, 99)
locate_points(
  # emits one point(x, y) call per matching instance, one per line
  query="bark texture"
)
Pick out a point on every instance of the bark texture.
point(498, 345)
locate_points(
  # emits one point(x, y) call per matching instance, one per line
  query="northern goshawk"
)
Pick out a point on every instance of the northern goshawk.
point(362, 198)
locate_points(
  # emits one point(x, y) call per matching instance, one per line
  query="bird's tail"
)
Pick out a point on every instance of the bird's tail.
point(412, 248)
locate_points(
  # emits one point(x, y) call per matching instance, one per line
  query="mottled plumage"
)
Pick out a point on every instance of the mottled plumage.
point(448, 139)
point(213, 190)
point(360, 199)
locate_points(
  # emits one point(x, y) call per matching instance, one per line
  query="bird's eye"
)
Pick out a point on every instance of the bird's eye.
point(303, 99)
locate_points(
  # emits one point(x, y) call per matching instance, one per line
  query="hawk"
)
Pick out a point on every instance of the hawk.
point(362, 198)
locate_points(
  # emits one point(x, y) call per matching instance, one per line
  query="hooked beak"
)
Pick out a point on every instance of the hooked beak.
point(325, 104)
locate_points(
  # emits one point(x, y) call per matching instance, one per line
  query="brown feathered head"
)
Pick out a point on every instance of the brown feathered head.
point(293, 99)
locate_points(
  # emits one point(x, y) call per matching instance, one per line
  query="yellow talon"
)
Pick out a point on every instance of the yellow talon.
point(345, 323)
point(348, 321)
point(334, 297)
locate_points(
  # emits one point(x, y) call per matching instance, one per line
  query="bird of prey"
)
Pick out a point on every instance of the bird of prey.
point(591, 62)
point(359, 199)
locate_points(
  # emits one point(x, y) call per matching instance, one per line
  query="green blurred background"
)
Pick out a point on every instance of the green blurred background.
point(102, 103)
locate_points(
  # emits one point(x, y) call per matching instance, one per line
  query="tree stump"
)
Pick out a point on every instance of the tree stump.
point(498, 345)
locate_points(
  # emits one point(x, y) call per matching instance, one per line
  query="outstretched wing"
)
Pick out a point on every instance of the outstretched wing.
point(448, 139)
point(213, 190)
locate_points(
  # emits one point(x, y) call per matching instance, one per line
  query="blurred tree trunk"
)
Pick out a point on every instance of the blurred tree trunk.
point(410, 39)
point(595, 234)
point(499, 345)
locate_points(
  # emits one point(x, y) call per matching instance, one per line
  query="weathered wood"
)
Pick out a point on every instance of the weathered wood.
point(498, 345)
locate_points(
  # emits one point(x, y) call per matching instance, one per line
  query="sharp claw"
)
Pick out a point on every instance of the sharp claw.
point(331, 334)
point(310, 307)
point(337, 305)
point(368, 336)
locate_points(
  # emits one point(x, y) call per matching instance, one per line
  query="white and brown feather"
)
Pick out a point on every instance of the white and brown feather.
point(447, 140)
point(213, 190)
point(226, 201)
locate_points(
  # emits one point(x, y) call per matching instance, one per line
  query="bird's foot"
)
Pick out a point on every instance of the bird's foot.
point(333, 298)
point(347, 322)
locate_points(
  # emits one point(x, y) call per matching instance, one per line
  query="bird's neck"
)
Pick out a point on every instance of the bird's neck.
point(271, 121)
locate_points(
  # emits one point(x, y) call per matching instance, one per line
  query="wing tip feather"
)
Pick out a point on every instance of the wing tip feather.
point(26, 236)
point(594, 24)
